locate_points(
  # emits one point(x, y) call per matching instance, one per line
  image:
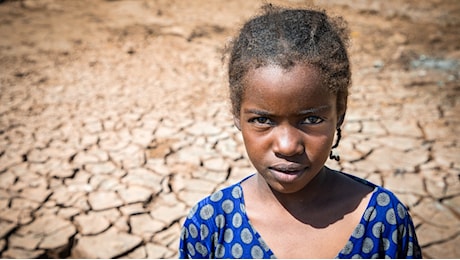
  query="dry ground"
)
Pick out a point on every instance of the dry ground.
point(114, 118)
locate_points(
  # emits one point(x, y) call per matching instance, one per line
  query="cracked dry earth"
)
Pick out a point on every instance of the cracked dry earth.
point(114, 119)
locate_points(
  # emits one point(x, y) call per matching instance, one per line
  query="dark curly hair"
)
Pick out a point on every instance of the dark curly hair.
point(286, 37)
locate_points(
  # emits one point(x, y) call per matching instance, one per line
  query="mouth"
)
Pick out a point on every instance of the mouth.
point(290, 169)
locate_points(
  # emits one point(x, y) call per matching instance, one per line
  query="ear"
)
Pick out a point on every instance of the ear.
point(237, 122)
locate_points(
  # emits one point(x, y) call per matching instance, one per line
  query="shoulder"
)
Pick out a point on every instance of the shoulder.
point(385, 205)
point(381, 197)
point(384, 213)
point(385, 230)
point(208, 223)
point(381, 202)
point(218, 205)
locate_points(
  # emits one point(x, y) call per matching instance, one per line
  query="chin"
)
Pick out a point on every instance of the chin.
point(289, 182)
point(287, 187)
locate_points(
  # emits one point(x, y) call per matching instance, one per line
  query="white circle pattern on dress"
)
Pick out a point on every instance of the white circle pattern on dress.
point(391, 217)
point(237, 220)
point(410, 247)
point(228, 235)
point(410, 231)
point(257, 252)
point(220, 251)
point(237, 250)
point(263, 244)
point(206, 212)
point(216, 196)
point(227, 206)
point(368, 245)
point(184, 234)
point(246, 236)
point(394, 236)
point(348, 248)
point(370, 214)
point(191, 249)
point(215, 238)
point(193, 230)
point(403, 231)
point(236, 192)
point(359, 231)
point(383, 199)
point(401, 211)
point(222, 221)
point(386, 244)
point(204, 231)
point(377, 229)
point(200, 248)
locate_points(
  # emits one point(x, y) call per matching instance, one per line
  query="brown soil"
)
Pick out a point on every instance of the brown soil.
point(66, 66)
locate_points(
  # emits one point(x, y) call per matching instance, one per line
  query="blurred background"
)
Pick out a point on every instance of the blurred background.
point(114, 118)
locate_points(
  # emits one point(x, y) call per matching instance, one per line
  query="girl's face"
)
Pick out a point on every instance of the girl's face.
point(288, 121)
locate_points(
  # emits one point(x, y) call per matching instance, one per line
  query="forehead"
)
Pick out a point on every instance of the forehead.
point(299, 86)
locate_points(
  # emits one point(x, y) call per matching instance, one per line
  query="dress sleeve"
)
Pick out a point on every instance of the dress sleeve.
point(407, 238)
point(386, 230)
point(194, 242)
point(400, 234)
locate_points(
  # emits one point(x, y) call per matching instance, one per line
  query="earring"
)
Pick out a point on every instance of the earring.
point(334, 155)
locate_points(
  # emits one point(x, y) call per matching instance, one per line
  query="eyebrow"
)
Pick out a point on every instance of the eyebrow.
point(257, 112)
point(312, 110)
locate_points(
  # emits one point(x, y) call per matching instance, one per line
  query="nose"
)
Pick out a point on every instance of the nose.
point(288, 141)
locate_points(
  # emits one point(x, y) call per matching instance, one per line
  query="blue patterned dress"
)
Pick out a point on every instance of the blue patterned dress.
point(218, 227)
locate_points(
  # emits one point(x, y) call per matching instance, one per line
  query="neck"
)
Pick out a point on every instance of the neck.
point(306, 198)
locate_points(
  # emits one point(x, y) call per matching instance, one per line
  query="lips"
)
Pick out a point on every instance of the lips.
point(287, 173)
point(292, 168)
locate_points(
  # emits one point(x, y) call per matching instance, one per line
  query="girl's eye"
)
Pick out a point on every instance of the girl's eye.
point(313, 120)
point(261, 121)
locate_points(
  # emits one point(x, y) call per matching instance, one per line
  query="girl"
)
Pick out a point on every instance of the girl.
point(289, 75)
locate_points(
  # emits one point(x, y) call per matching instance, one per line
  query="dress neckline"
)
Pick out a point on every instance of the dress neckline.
point(362, 220)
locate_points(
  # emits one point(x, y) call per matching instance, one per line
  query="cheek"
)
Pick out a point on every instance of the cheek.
point(256, 147)
point(319, 146)
point(249, 141)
